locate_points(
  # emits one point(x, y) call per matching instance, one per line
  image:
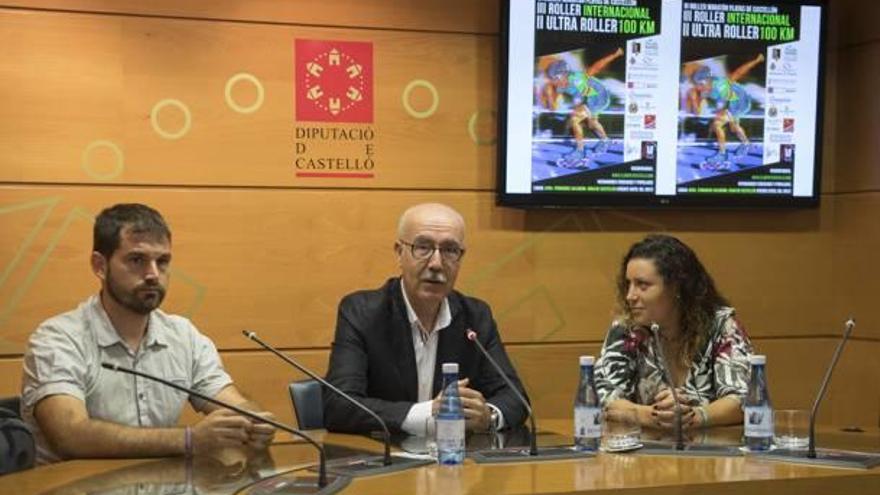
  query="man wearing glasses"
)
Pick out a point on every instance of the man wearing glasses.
point(390, 342)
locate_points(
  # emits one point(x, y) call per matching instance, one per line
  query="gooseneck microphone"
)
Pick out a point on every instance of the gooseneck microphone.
point(848, 328)
point(826, 457)
point(322, 472)
point(533, 435)
point(386, 435)
point(664, 371)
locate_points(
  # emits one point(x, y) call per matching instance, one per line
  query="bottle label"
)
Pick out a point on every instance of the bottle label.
point(450, 434)
point(758, 421)
point(587, 422)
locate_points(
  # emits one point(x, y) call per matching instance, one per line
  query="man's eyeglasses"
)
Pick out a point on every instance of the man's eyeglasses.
point(424, 250)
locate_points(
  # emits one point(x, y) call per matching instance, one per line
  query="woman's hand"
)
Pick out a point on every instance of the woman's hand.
point(663, 411)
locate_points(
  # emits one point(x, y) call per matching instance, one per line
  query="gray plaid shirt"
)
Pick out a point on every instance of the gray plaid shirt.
point(65, 353)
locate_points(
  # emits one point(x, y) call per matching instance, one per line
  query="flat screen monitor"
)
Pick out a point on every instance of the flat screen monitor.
point(647, 103)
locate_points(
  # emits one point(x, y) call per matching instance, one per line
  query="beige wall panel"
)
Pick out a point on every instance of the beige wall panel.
point(425, 15)
point(856, 279)
point(279, 261)
point(763, 276)
point(753, 256)
point(854, 21)
point(10, 376)
point(264, 378)
point(549, 372)
point(829, 121)
point(75, 80)
point(796, 367)
point(259, 375)
point(857, 166)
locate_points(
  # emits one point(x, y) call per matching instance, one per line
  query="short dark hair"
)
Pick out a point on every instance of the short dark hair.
point(695, 291)
point(139, 218)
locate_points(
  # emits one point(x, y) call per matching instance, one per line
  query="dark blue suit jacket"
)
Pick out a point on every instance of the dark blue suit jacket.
point(373, 360)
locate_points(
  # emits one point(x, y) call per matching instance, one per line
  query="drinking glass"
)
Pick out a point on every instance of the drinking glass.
point(791, 428)
point(622, 430)
point(431, 435)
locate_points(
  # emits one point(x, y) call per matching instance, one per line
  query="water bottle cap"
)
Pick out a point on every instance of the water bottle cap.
point(586, 360)
point(757, 359)
point(450, 367)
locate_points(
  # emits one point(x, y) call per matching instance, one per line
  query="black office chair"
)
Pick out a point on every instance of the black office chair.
point(11, 403)
point(17, 450)
point(308, 405)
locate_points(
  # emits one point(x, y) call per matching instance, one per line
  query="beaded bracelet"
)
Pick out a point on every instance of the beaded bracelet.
point(187, 441)
point(704, 416)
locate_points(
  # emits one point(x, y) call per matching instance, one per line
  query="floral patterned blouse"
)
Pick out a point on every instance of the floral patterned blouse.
point(627, 368)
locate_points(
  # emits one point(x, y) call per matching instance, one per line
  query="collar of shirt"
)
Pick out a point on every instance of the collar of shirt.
point(108, 336)
point(444, 316)
point(425, 345)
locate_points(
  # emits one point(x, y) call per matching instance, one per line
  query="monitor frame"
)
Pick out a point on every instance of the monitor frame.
point(651, 201)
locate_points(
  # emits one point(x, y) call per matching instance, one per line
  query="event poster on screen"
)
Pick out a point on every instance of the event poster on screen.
point(662, 98)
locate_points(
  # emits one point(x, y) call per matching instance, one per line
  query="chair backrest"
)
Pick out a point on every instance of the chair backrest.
point(11, 403)
point(308, 405)
point(17, 450)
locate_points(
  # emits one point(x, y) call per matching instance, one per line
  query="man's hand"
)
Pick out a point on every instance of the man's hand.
point(221, 428)
point(477, 414)
point(260, 435)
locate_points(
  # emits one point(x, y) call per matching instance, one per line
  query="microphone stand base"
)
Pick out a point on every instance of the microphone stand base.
point(824, 457)
point(358, 466)
point(521, 454)
point(292, 484)
point(690, 450)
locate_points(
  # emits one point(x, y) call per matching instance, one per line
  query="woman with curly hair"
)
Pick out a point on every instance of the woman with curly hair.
point(662, 281)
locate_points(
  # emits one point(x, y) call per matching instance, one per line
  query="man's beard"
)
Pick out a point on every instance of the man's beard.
point(131, 301)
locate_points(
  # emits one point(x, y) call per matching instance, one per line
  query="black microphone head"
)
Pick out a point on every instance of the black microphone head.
point(114, 367)
point(249, 334)
point(471, 335)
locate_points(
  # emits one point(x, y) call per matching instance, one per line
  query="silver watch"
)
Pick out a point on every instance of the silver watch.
point(494, 420)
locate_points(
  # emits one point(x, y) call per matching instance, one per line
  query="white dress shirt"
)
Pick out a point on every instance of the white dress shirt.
point(425, 347)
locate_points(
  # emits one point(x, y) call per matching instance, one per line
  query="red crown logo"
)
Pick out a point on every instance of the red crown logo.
point(334, 81)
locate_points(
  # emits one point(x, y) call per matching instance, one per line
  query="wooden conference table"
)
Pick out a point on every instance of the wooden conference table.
point(631, 473)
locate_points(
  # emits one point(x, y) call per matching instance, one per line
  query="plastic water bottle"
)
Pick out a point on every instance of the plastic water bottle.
point(587, 412)
point(757, 411)
point(450, 419)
